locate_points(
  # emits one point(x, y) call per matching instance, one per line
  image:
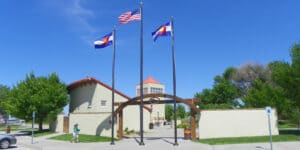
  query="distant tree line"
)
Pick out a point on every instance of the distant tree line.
point(180, 112)
point(276, 84)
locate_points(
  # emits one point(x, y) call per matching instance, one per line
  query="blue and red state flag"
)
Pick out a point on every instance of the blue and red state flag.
point(104, 41)
point(164, 30)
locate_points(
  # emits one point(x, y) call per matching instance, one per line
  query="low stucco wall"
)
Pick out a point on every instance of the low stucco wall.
point(92, 123)
point(236, 123)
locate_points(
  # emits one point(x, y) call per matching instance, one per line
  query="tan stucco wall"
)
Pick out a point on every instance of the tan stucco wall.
point(132, 118)
point(95, 120)
point(236, 123)
point(60, 123)
point(93, 94)
point(57, 125)
point(158, 110)
point(92, 123)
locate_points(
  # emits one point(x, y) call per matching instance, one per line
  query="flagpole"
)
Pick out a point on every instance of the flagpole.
point(174, 82)
point(141, 77)
point(113, 88)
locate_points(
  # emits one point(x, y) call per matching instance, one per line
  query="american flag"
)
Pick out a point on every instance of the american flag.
point(129, 16)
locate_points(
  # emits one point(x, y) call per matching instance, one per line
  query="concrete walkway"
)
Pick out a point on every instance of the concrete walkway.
point(150, 144)
point(158, 139)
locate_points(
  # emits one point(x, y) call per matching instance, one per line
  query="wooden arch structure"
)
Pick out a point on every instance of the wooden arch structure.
point(155, 99)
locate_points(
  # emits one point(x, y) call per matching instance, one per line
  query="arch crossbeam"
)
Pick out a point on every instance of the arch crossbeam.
point(155, 99)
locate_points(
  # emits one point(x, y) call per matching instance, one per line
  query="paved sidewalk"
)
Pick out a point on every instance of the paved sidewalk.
point(157, 139)
point(150, 144)
point(260, 146)
point(131, 143)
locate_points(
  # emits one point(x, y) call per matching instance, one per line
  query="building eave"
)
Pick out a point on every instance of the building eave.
point(90, 80)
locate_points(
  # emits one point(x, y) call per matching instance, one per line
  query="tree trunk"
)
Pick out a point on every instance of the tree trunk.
point(40, 124)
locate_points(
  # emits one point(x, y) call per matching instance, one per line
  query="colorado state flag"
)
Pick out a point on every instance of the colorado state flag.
point(164, 30)
point(104, 41)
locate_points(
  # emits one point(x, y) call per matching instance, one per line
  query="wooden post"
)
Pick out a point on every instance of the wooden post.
point(193, 124)
point(120, 130)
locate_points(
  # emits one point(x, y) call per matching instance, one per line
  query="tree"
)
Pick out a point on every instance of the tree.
point(223, 91)
point(4, 92)
point(281, 73)
point(180, 111)
point(169, 112)
point(43, 95)
point(243, 77)
point(262, 94)
point(287, 77)
point(295, 85)
point(276, 85)
point(205, 96)
point(222, 94)
point(229, 72)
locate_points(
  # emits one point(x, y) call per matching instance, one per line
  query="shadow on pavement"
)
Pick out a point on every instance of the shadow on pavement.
point(12, 147)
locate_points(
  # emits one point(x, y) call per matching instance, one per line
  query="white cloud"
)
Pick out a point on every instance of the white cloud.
point(82, 14)
point(76, 14)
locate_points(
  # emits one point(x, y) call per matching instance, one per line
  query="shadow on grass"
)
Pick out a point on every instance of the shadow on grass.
point(289, 132)
point(35, 132)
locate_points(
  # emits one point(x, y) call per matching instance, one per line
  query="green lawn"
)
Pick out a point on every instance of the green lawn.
point(14, 128)
point(285, 135)
point(82, 138)
point(282, 126)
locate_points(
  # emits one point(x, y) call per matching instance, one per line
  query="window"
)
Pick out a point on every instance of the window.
point(103, 103)
point(156, 90)
point(145, 91)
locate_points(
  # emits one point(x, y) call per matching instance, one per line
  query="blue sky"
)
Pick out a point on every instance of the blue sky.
point(210, 35)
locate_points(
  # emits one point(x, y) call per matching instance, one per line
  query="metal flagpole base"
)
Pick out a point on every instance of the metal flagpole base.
point(142, 144)
point(175, 144)
point(112, 143)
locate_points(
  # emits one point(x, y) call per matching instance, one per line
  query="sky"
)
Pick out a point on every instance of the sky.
point(210, 35)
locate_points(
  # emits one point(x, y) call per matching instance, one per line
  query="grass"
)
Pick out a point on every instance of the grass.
point(127, 132)
point(288, 125)
point(284, 135)
point(83, 138)
point(14, 128)
point(26, 129)
point(183, 125)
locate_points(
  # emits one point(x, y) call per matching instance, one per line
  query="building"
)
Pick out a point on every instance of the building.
point(152, 86)
point(90, 107)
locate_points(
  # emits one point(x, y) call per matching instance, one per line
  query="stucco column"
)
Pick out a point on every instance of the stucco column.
point(120, 130)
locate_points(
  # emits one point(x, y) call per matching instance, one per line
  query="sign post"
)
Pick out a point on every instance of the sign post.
point(268, 110)
point(33, 116)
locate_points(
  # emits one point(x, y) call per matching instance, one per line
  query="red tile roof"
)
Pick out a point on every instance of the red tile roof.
point(89, 80)
point(150, 80)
